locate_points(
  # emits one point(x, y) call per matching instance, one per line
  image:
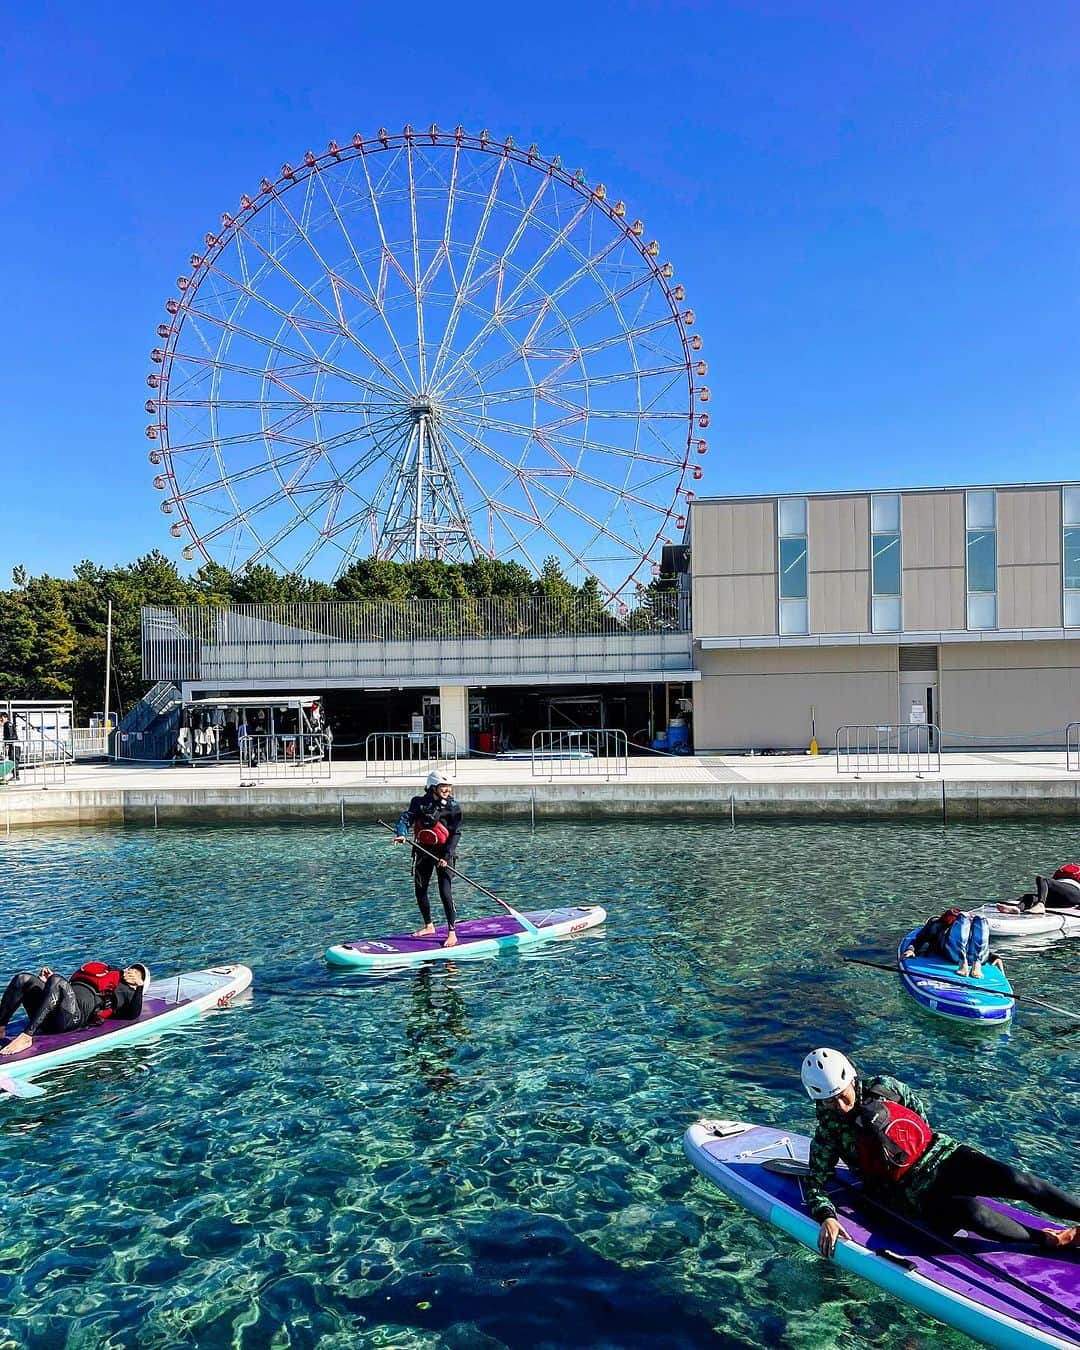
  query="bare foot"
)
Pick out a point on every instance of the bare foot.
point(976, 971)
point(962, 968)
point(451, 939)
point(1008, 909)
point(21, 1042)
point(1065, 1237)
point(426, 931)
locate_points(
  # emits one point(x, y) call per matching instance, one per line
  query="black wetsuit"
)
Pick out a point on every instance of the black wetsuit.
point(424, 813)
point(1051, 893)
point(56, 1004)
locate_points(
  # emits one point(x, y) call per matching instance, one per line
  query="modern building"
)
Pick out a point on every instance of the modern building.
point(959, 606)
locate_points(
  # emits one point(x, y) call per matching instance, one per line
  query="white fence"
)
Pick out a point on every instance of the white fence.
point(35, 761)
point(406, 754)
point(894, 748)
point(1072, 747)
point(580, 752)
point(285, 757)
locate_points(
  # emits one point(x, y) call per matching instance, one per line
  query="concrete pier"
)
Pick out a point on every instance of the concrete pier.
point(971, 786)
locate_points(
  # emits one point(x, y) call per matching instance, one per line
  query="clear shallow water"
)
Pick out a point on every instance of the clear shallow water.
point(488, 1154)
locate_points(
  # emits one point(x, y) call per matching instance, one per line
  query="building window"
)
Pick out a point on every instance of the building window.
point(981, 509)
point(791, 535)
point(1070, 554)
point(885, 561)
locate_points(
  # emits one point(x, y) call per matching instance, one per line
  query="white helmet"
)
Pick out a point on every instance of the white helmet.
point(826, 1073)
point(436, 778)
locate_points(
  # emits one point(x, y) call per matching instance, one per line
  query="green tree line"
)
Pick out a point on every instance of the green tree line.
point(53, 630)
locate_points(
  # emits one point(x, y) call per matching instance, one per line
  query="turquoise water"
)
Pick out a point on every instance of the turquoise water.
point(488, 1154)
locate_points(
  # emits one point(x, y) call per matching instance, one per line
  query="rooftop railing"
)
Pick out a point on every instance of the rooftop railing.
point(171, 634)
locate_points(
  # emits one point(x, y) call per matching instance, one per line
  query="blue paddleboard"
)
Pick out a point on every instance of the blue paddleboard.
point(934, 984)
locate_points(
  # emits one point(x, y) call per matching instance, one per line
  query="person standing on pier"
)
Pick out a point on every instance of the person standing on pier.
point(435, 819)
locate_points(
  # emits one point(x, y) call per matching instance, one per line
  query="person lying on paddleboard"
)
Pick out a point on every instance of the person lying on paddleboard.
point(435, 819)
point(878, 1127)
point(955, 936)
point(96, 991)
point(1061, 891)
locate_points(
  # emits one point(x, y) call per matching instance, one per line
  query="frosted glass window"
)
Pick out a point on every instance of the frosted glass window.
point(886, 613)
point(980, 510)
point(1072, 609)
point(793, 617)
point(793, 569)
point(886, 555)
point(982, 561)
point(885, 512)
point(792, 515)
point(1071, 505)
point(982, 611)
point(1071, 557)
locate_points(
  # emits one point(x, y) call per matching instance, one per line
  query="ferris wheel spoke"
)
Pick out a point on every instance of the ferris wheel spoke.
point(462, 288)
point(331, 317)
point(312, 357)
point(498, 511)
point(421, 352)
point(599, 306)
point(373, 298)
point(527, 279)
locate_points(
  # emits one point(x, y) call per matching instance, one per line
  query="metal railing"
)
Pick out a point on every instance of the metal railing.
point(88, 742)
point(36, 760)
point(285, 756)
point(580, 752)
point(175, 637)
point(1072, 747)
point(405, 754)
point(893, 748)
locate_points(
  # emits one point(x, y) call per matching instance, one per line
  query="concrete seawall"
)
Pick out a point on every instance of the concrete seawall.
point(1002, 787)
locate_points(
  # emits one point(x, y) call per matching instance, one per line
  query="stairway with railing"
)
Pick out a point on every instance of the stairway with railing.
point(148, 730)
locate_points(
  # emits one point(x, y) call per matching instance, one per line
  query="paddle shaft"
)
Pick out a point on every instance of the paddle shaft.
point(527, 924)
point(964, 984)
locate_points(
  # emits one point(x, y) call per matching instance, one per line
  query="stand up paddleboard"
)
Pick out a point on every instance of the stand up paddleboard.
point(1065, 922)
point(1009, 1296)
point(166, 1003)
point(934, 984)
point(476, 937)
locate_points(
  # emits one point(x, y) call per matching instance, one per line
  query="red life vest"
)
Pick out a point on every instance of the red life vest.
point(1068, 872)
point(102, 981)
point(890, 1138)
point(432, 836)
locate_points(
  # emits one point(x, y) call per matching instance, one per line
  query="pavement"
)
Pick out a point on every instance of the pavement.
point(969, 784)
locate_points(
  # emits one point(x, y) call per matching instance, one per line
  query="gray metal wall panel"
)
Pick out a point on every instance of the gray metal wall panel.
point(734, 568)
point(1029, 558)
point(1009, 693)
point(839, 534)
point(933, 545)
point(840, 602)
point(761, 699)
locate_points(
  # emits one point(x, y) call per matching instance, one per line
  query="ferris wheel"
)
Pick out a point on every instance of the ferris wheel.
point(428, 345)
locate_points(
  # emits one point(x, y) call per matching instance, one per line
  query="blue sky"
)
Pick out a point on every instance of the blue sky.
point(873, 209)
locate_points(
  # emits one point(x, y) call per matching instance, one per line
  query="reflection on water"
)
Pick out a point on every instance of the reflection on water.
point(487, 1153)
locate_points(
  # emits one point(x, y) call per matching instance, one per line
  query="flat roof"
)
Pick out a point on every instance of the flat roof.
point(874, 491)
point(258, 701)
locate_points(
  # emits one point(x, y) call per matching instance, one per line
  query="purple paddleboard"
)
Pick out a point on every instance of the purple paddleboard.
point(1002, 1295)
point(476, 937)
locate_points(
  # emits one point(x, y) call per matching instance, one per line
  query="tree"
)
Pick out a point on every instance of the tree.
point(53, 645)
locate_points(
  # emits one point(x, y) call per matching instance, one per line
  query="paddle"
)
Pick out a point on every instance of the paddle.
point(19, 1087)
point(527, 924)
point(792, 1167)
point(964, 984)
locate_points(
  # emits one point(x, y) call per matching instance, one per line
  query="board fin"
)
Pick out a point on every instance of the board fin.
point(19, 1087)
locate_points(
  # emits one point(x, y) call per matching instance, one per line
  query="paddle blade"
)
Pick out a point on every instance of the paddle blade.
point(17, 1087)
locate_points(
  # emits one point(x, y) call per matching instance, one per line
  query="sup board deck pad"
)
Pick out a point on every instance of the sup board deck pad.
point(175, 999)
point(933, 982)
point(1003, 1294)
point(476, 937)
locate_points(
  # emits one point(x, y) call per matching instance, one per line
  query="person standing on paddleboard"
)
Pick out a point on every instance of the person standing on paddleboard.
point(96, 991)
point(435, 819)
point(878, 1127)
